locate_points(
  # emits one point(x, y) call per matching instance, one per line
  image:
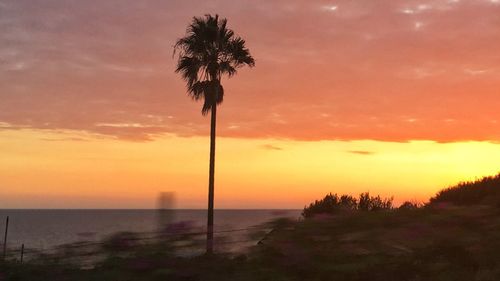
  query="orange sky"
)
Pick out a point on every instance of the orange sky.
point(399, 98)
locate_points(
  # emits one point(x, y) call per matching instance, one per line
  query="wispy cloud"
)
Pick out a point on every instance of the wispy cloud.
point(361, 152)
point(64, 139)
point(271, 147)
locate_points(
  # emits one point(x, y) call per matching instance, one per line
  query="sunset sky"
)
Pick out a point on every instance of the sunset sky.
point(399, 98)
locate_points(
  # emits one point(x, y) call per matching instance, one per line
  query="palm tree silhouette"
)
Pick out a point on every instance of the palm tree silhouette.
point(208, 51)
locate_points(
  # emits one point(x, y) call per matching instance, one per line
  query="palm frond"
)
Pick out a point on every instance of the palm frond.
point(226, 67)
point(240, 55)
point(213, 96)
point(208, 51)
point(189, 67)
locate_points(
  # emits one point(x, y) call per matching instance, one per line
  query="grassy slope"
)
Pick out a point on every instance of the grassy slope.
point(423, 244)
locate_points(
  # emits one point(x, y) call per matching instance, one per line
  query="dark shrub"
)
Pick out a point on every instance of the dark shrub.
point(333, 204)
point(369, 203)
point(408, 205)
point(478, 192)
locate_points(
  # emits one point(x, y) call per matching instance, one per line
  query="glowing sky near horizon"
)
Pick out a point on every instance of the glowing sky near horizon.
point(396, 97)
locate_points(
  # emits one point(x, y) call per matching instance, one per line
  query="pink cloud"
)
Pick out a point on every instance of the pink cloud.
point(382, 70)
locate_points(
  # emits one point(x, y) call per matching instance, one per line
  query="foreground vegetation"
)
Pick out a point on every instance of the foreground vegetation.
point(443, 240)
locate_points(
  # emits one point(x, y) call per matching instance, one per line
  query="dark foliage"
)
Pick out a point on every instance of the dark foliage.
point(485, 191)
point(332, 203)
point(408, 205)
point(209, 51)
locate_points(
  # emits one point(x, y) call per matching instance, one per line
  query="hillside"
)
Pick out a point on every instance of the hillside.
point(484, 191)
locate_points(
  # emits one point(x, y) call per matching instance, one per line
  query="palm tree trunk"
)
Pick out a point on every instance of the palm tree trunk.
point(210, 216)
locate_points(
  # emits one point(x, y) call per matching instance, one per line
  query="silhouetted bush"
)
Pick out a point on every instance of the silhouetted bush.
point(368, 203)
point(485, 191)
point(408, 205)
point(332, 204)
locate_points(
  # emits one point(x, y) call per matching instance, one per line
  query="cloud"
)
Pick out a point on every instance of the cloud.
point(271, 147)
point(361, 152)
point(64, 139)
point(345, 75)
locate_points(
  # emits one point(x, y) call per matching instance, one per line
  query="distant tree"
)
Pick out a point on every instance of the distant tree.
point(207, 52)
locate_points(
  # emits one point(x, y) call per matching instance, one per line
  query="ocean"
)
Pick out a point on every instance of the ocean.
point(44, 229)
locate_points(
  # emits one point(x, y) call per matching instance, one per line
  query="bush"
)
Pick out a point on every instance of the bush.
point(408, 205)
point(485, 191)
point(332, 204)
point(368, 203)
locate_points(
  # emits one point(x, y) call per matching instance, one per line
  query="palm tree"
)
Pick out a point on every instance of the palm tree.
point(208, 51)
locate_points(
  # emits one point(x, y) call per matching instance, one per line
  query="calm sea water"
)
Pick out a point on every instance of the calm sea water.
point(43, 229)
